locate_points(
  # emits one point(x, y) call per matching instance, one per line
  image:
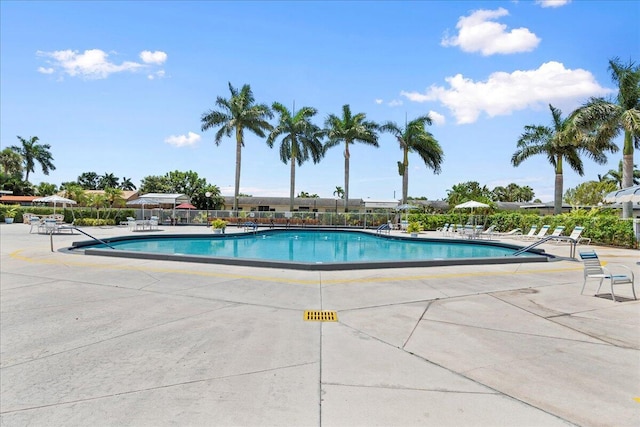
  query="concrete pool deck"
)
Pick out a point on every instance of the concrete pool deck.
point(112, 341)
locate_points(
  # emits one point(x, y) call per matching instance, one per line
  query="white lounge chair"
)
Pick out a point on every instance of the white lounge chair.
point(593, 269)
point(575, 236)
point(557, 232)
point(488, 233)
point(540, 234)
point(515, 233)
point(531, 234)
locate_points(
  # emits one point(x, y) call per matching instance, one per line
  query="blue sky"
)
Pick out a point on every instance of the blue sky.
point(120, 87)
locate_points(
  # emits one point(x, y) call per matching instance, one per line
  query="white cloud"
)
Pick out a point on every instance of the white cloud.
point(552, 3)
point(159, 74)
point(157, 57)
point(503, 93)
point(395, 103)
point(378, 101)
point(90, 64)
point(183, 140)
point(479, 32)
point(437, 118)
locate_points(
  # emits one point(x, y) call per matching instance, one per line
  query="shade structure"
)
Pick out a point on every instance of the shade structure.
point(629, 194)
point(55, 199)
point(406, 208)
point(144, 202)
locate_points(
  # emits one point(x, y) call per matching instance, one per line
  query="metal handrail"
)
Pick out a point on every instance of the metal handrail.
point(73, 227)
point(571, 240)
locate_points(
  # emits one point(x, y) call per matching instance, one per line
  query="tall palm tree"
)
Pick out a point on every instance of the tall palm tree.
point(236, 114)
point(611, 117)
point(301, 139)
point(33, 152)
point(561, 142)
point(349, 129)
point(413, 137)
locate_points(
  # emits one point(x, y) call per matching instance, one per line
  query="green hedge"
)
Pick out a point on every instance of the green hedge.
point(115, 216)
point(602, 226)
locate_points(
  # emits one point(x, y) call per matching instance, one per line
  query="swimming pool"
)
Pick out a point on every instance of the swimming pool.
point(311, 250)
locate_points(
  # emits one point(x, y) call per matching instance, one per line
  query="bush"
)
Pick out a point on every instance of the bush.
point(602, 226)
point(93, 222)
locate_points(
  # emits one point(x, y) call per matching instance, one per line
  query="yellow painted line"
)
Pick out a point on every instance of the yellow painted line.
point(637, 399)
point(18, 256)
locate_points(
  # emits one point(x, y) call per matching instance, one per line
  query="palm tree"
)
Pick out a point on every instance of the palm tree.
point(301, 139)
point(74, 191)
point(350, 129)
point(339, 192)
point(616, 175)
point(113, 196)
point(108, 180)
point(415, 138)
point(611, 117)
point(33, 152)
point(11, 162)
point(127, 185)
point(561, 142)
point(237, 114)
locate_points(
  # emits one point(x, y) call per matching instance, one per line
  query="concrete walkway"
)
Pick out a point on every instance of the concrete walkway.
point(109, 341)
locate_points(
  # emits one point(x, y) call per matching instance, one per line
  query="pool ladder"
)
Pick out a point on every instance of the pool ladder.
point(572, 241)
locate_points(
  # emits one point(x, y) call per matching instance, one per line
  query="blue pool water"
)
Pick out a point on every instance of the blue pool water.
point(315, 247)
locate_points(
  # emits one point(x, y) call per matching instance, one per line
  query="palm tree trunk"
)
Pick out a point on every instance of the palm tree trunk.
point(557, 200)
point(292, 190)
point(346, 177)
point(236, 192)
point(405, 177)
point(627, 172)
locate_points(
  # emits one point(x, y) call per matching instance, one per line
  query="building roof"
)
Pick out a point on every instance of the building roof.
point(4, 198)
point(166, 198)
point(126, 194)
point(318, 202)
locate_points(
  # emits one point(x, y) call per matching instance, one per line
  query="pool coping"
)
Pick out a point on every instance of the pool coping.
point(540, 255)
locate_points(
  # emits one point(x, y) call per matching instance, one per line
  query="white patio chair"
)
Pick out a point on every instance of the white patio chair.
point(593, 269)
point(34, 222)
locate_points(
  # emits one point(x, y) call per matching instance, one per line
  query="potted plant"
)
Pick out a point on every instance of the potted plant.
point(414, 228)
point(218, 225)
point(10, 214)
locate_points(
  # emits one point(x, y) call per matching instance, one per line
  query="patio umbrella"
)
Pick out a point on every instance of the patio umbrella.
point(187, 206)
point(55, 199)
point(471, 204)
point(144, 202)
point(629, 194)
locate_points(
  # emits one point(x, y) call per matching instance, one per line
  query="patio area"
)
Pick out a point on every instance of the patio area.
point(111, 341)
